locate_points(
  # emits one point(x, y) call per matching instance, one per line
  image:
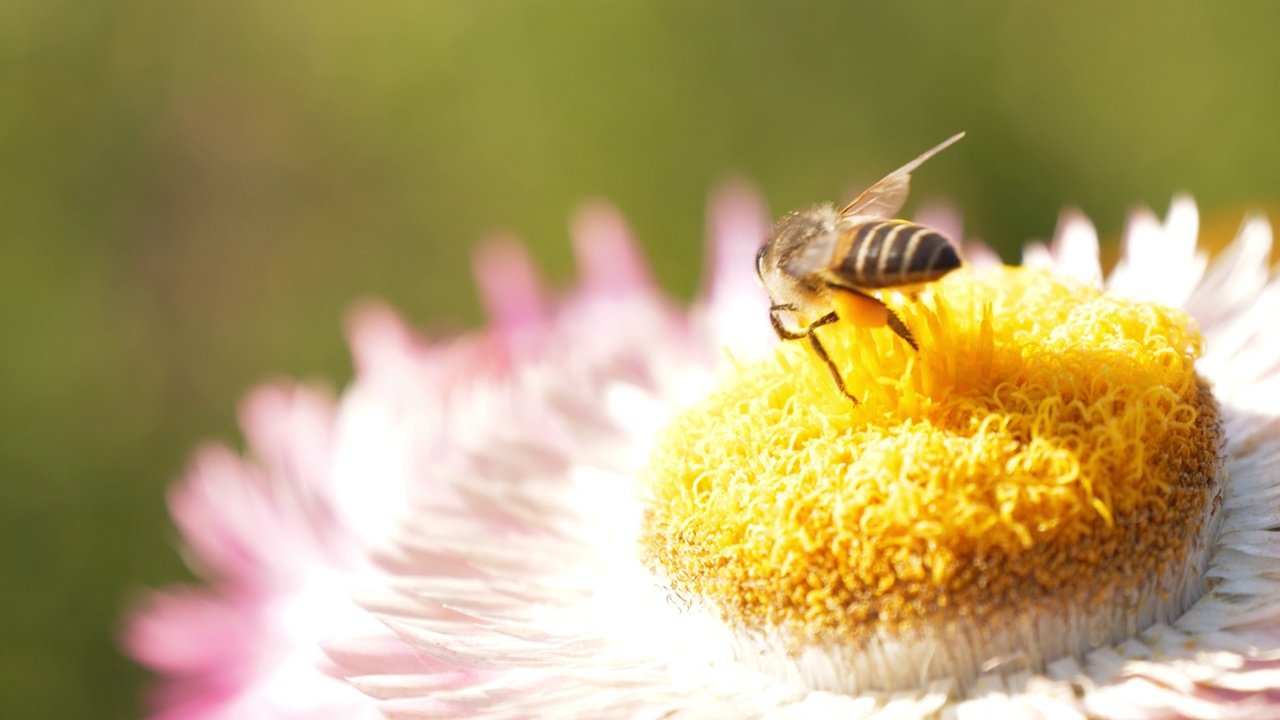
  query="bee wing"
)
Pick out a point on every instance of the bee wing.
point(815, 256)
point(886, 198)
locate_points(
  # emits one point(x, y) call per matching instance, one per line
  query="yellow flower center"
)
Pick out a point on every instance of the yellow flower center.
point(1039, 479)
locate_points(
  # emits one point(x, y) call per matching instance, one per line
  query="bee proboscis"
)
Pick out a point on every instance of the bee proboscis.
point(821, 265)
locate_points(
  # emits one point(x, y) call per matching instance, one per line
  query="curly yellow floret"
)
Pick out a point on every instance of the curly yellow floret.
point(1046, 441)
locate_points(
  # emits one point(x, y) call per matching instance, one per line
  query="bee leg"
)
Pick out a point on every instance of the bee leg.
point(821, 352)
point(893, 321)
point(785, 333)
point(895, 324)
point(781, 330)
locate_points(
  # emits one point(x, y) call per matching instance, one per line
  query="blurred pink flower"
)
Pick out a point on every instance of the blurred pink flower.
point(278, 560)
point(285, 536)
point(456, 536)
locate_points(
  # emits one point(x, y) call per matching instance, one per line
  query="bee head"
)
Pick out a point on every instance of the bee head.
point(792, 234)
point(788, 239)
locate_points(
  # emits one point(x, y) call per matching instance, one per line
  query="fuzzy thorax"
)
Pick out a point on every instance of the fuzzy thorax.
point(1041, 478)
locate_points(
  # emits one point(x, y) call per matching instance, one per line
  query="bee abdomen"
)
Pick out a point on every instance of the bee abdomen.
point(893, 252)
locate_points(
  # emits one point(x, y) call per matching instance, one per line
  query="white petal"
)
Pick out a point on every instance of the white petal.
point(980, 256)
point(1075, 249)
point(1236, 277)
point(1037, 255)
point(1159, 262)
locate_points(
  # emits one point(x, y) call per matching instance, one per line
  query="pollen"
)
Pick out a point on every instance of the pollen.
point(858, 311)
point(1042, 477)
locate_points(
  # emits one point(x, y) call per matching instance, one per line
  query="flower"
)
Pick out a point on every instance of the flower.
point(477, 527)
point(279, 562)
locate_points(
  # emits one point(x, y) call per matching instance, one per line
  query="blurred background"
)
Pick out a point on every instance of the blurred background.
point(193, 193)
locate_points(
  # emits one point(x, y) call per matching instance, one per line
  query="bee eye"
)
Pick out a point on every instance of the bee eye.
point(760, 260)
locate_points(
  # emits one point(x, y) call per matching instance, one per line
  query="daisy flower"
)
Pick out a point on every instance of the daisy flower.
point(1063, 504)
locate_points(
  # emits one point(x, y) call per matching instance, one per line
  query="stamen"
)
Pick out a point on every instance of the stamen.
point(1039, 479)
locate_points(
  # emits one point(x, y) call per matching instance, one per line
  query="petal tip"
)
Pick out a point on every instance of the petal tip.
point(508, 282)
point(378, 334)
point(609, 258)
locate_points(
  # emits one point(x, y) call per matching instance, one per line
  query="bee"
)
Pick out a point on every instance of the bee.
point(821, 265)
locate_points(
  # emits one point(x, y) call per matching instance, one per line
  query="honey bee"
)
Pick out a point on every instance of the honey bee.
point(821, 265)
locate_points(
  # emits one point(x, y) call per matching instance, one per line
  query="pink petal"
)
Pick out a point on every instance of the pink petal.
point(290, 429)
point(379, 338)
point(609, 259)
point(510, 289)
point(199, 698)
point(373, 655)
point(204, 644)
point(980, 256)
point(183, 632)
point(732, 300)
point(942, 216)
point(223, 514)
point(737, 225)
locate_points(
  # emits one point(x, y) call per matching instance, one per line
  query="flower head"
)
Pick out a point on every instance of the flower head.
point(604, 506)
point(1048, 456)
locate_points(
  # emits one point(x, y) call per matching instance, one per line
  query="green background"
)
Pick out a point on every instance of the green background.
point(192, 194)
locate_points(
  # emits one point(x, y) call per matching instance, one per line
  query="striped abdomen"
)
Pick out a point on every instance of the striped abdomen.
point(893, 253)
